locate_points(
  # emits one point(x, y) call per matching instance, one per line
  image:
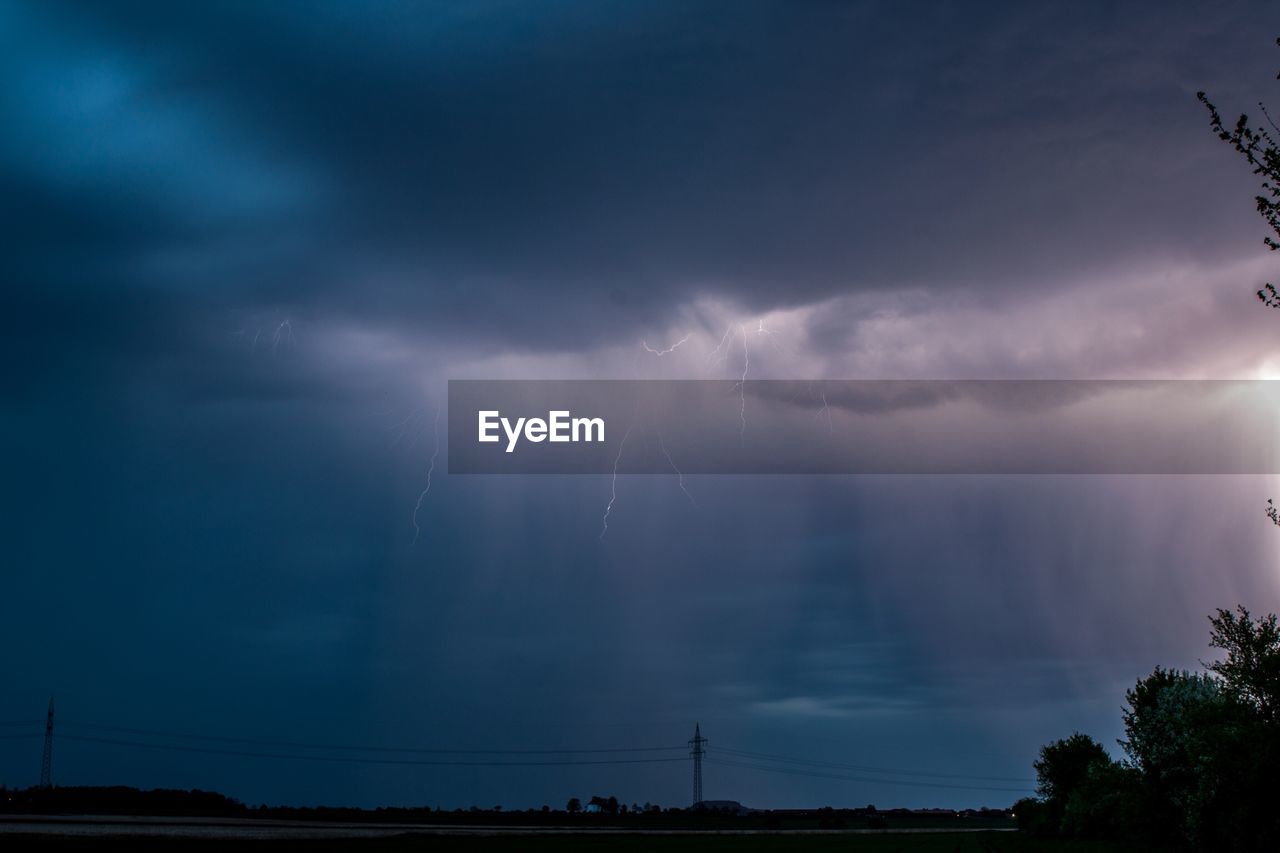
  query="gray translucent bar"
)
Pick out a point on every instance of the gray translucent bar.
point(869, 426)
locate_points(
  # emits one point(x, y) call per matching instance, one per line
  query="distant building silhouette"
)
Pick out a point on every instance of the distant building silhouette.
point(732, 807)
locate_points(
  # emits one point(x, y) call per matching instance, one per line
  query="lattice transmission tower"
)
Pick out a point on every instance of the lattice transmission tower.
point(46, 763)
point(696, 744)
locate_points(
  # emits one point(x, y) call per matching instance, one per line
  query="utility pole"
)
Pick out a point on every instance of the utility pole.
point(696, 750)
point(46, 764)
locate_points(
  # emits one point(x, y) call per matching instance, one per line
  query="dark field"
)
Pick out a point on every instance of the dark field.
point(946, 842)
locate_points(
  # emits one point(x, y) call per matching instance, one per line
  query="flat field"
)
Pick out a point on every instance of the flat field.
point(939, 842)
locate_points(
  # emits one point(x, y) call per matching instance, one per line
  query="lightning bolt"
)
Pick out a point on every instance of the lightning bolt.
point(742, 383)
point(613, 486)
point(720, 354)
point(279, 329)
point(284, 331)
point(770, 336)
point(721, 351)
point(662, 352)
point(402, 427)
point(417, 529)
point(679, 473)
point(827, 409)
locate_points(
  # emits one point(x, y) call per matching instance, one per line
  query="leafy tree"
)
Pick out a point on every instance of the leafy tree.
point(1202, 753)
point(1061, 769)
point(1108, 803)
point(607, 805)
point(1063, 765)
point(1032, 816)
point(573, 806)
point(1174, 738)
point(1159, 720)
point(1251, 671)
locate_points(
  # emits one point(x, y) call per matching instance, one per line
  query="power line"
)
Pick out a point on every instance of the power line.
point(284, 744)
point(746, 759)
point(346, 759)
point(866, 769)
point(844, 778)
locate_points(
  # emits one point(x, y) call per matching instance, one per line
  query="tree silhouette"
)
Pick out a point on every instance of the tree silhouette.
point(1251, 670)
point(1199, 752)
point(1063, 765)
point(1202, 748)
point(1258, 147)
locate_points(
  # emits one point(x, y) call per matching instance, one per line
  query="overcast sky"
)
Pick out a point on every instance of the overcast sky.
point(246, 245)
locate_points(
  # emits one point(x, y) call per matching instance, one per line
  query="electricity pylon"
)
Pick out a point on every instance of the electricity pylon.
point(46, 763)
point(696, 750)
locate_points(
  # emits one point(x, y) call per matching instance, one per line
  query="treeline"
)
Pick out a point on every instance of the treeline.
point(1201, 751)
point(161, 802)
point(121, 800)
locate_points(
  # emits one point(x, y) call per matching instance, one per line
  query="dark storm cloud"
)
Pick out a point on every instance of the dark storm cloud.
point(486, 169)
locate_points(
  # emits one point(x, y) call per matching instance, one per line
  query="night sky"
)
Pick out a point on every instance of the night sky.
point(245, 246)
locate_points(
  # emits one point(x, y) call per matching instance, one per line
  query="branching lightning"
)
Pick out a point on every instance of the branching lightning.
point(613, 487)
point(679, 473)
point(284, 331)
point(719, 355)
point(827, 409)
point(417, 529)
point(281, 332)
point(721, 352)
point(662, 352)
